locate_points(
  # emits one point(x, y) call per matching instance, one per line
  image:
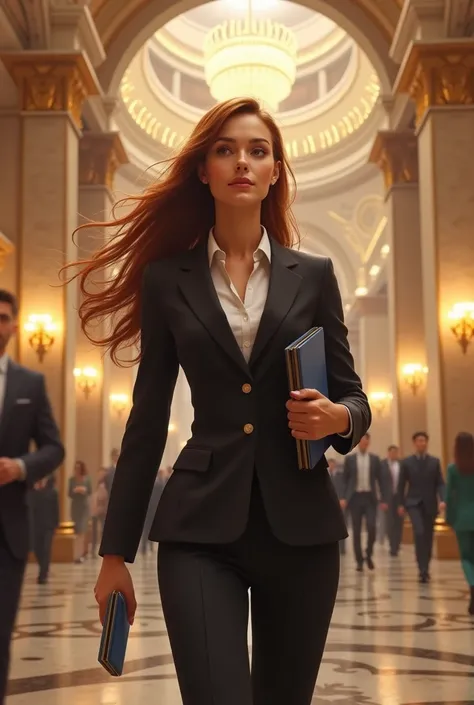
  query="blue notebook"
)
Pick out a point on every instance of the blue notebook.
point(113, 643)
point(306, 367)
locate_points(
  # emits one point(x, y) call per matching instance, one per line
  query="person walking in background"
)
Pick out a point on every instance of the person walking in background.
point(110, 472)
point(364, 483)
point(337, 477)
point(80, 490)
point(26, 419)
point(161, 479)
point(421, 492)
point(460, 504)
point(391, 471)
point(44, 503)
point(98, 509)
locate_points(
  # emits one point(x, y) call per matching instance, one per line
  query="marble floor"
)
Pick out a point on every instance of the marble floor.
point(392, 641)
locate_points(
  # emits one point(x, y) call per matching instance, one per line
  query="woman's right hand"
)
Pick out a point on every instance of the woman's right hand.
point(114, 575)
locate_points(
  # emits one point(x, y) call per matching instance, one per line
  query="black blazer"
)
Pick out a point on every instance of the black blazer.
point(26, 417)
point(377, 479)
point(206, 500)
point(421, 483)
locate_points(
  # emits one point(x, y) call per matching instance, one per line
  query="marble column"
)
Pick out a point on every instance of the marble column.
point(440, 79)
point(51, 88)
point(374, 366)
point(100, 154)
point(396, 153)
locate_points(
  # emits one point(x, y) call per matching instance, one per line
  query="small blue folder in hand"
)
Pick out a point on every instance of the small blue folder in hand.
point(306, 367)
point(113, 643)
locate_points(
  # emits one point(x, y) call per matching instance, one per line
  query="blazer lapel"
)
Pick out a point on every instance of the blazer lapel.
point(9, 398)
point(198, 289)
point(282, 291)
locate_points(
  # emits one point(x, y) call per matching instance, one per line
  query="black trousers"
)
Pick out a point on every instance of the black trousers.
point(423, 531)
point(42, 543)
point(394, 526)
point(205, 598)
point(11, 579)
point(362, 505)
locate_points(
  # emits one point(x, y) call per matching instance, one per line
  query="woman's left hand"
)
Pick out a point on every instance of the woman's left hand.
point(312, 416)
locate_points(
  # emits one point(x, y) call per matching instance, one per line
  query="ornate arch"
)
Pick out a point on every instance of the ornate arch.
point(125, 27)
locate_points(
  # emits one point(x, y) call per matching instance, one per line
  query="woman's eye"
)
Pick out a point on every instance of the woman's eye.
point(259, 152)
point(223, 150)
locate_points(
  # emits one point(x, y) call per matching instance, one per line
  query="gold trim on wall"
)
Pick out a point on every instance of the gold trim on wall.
point(100, 155)
point(52, 81)
point(6, 249)
point(396, 155)
point(437, 75)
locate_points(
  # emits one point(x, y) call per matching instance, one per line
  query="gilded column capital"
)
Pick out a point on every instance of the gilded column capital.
point(52, 81)
point(6, 248)
point(100, 155)
point(396, 155)
point(437, 75)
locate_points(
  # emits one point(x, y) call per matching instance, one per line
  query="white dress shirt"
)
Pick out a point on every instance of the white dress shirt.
point(363, 472)
point(394, 466)
point(244, 316)
point(3, 379)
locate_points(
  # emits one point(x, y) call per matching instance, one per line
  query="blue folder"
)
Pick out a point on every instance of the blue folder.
point(306, 367)
point(113, 643)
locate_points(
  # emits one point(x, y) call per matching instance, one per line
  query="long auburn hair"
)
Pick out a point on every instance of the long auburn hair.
point(173, 215)
point(464, 453)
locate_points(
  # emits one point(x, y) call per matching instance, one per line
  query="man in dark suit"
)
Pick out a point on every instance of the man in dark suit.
point(337, 477)
point(44, 503)
point(391, 472)
point(421, 491)
point(25, 416)
point(363, 485)
point(110, 472)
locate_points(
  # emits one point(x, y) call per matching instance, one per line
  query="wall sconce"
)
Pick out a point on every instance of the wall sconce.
point(119, 403)
point(462, 315)
point(414, 375)
point(380, 401)
point(86, 379)
point(41, 329)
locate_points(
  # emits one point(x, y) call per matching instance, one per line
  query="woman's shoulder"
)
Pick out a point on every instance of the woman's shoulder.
point(310, 261)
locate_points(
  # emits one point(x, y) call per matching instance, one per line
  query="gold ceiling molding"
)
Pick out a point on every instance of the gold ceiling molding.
point(6, 249)
point(437, 75)
point(396, 155)
point(100, 155)
point(51, 82)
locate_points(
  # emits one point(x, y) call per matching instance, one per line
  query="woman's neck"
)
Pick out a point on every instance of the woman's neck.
point(238, 232)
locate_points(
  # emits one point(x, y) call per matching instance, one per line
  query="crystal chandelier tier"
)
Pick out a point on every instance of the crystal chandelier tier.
point(251, 57)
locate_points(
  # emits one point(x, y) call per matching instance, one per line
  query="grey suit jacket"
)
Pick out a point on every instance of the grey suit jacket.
point(421, 483)
point(26, 417)
point(377, 480)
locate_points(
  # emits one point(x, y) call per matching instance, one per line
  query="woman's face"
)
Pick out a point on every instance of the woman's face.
point(240, 167)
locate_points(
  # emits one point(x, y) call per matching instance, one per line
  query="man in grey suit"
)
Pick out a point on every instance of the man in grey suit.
point(391, 471)
point(25, 417)
point(363, 485)
point(421, 491)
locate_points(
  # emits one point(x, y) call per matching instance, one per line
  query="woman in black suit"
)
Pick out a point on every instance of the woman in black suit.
point(222, 293)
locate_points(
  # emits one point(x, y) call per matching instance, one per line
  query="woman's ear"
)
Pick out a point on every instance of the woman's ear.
point(202, 174)
point(276, 173)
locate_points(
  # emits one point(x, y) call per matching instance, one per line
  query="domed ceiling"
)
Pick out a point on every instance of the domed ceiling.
point(318, 82)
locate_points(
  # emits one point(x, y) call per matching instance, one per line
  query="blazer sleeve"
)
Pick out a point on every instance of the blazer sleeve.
point(344, 385)
point(146, 430)
point(402, 482)
point(49, 451)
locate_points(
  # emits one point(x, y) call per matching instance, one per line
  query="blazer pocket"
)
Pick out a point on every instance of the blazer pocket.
point(197, 459)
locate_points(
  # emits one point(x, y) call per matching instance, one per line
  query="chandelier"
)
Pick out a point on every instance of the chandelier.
point(251, 57)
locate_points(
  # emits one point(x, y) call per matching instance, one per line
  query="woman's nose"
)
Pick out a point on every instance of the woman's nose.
point(242, 165)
